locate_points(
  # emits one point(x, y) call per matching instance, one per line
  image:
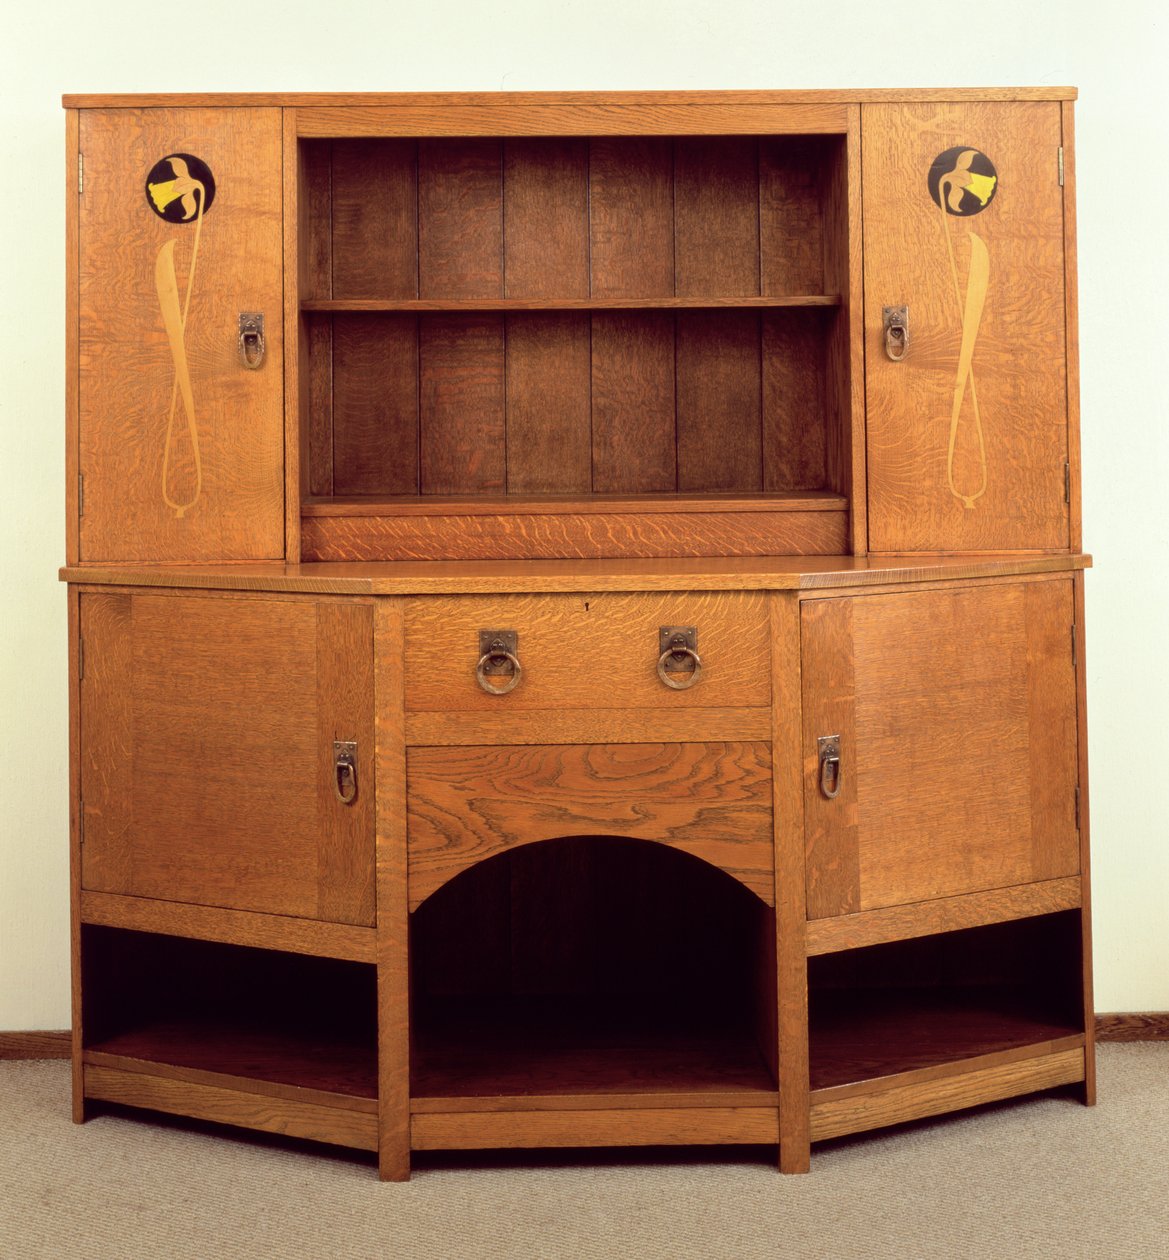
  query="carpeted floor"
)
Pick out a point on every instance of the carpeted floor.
point(1038, 1178)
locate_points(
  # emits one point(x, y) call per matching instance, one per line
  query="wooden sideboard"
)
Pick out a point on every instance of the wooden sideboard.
point(576, 616)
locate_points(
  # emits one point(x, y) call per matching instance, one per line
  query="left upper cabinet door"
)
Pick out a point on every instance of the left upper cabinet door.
point(180, 443)
point(208, 767)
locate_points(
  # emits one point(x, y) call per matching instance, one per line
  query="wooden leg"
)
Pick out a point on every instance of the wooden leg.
point(1089, 1090)
point(790, 899)
point(393, 913)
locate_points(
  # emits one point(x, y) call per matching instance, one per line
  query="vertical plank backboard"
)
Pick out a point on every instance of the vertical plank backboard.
point(161, 483)
point(968, 436)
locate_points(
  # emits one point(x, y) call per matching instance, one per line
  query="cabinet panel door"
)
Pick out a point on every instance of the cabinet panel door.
point(207, 773)
point(956, 712)
point(967, 435)
point(181, 445)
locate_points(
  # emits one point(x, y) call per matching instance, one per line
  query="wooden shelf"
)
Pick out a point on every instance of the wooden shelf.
point(544, 1053)
point(536, 505)
point(368, 305)
point(291, 1052)
point(860, 1036)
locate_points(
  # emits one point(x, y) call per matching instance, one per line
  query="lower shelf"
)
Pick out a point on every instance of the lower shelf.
point(541, 1053)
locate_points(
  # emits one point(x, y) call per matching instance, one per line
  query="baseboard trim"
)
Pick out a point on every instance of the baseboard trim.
point(36, 1045)
point(1116, 1026)
point(1133, 1026)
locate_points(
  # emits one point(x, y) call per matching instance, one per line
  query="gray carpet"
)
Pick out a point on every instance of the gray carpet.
point(1045, 1177)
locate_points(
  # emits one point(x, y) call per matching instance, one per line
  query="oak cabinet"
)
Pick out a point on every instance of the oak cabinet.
point(584, 673)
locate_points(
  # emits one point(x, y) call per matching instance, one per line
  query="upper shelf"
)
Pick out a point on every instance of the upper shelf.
point(337, 305)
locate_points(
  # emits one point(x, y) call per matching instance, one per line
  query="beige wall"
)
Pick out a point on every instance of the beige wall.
point(1116, 55)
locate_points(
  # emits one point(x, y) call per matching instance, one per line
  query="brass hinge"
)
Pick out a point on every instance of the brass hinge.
point(1077, 807)
point(80, 822)
point(80, 494)
point(1061, 165)
point(80, 173)
point(1067, 483)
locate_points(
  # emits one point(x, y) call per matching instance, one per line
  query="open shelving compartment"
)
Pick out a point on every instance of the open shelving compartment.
point(240, 1035)
point(606, 989)
point(902, 1030)
point(562, 347)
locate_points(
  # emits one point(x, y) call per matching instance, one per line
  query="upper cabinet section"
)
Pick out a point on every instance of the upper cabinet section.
point(180, 417)
point(967, 428)
point(590, 345)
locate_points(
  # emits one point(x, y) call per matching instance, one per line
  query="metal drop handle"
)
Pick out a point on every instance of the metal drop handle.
point(831, 773)
point(679, 644)
point(345, 770)
point(498, 648)
point(251, 339)
point(895, 320)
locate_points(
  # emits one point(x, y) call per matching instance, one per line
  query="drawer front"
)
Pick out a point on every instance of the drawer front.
point(465, 805)
point(587, 651)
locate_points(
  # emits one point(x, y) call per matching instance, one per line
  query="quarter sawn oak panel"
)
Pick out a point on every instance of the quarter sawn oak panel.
point(710, 800)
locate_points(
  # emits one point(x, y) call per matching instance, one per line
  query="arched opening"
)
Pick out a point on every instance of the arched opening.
point(592, 966)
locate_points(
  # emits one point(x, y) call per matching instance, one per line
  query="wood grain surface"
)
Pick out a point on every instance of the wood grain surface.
point(393, 915)
point(126, 371)
point(462, 393)
point(899, 1102)
point(631, 217)
point(375, 218)
point(545, 218)
point(207, 760)
point(694, 96)
point(818, 577)
point(460, 218)
point(233, 1106)
point(487, 117)
point(791, 912)
point(375, 405)
point(710, 800)
point(684, 1126)
point(237, 927)
point(579, 653)
point(987, 697)
point(946, 914)
point(1018, 361)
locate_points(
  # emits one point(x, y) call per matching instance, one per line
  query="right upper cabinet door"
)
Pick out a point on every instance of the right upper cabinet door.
point(955, 713)
point(964, 227)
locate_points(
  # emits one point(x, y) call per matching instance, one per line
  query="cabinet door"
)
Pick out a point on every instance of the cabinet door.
point(181, 444)
point(207, 761)
point(956, 712)
point(963, 224)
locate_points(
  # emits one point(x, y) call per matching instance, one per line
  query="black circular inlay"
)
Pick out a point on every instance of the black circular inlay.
point(179, 186)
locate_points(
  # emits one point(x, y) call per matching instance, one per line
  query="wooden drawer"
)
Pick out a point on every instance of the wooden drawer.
point(711, 800)
point(587, 652)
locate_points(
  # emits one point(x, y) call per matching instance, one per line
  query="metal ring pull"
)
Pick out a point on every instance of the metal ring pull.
point(830, 768)
point(896, 323)
point(680, 650)
point(251, 339)
point(496, 653)
point(345, 770)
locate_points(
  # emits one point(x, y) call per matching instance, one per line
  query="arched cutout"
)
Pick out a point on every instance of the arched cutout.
point(592, 964)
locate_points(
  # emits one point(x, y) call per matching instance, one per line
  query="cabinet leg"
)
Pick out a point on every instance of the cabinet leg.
point(794, 1157)
point(393, 1162)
